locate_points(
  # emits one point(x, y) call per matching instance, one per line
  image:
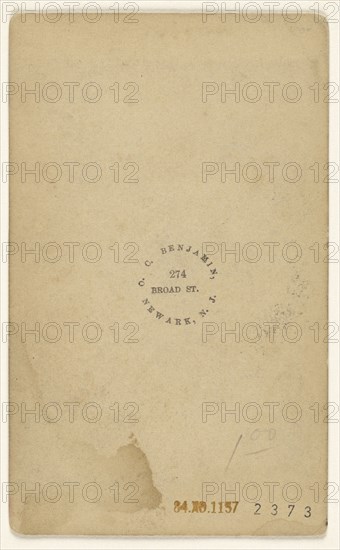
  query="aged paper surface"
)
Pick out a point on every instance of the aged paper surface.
point(168, 282)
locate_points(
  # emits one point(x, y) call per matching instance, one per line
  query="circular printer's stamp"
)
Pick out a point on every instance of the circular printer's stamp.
point(178, 285)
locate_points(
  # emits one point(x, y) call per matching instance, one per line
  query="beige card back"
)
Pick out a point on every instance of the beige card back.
point(168, 289)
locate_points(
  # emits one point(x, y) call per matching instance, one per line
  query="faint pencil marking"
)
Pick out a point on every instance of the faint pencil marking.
point(234, 451)
point(261, 451)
